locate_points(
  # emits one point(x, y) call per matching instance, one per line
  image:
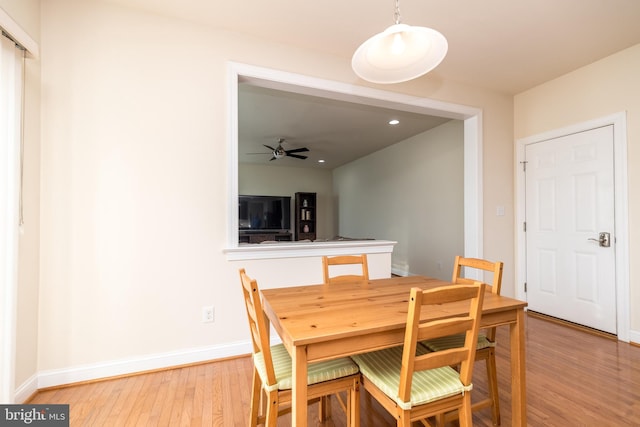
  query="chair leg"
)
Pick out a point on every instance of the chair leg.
point(324, 407)
point(353, 407)
point(272, 408)
point(492, 373)
point(347, 409)
point(404, 419)
point(256, 390)
point(465, 417)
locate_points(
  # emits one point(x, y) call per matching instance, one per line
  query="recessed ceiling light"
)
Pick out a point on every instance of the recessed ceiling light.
point(394, 122)
point(320, 161)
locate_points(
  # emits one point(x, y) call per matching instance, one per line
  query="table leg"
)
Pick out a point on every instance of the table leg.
point(518, 371)
point(299, 391)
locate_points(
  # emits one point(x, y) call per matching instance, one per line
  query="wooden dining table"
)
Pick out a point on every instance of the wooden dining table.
point(321, 322)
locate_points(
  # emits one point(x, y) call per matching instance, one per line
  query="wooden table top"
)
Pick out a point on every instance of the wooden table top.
point(317, 313)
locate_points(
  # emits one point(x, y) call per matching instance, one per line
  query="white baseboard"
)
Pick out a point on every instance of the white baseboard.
point(95, 371)
point(400, 270)
point(26, 390)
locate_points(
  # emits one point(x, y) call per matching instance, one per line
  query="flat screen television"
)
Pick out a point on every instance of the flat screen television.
point(264, 213)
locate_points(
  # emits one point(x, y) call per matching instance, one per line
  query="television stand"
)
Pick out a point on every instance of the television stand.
point(263, 236)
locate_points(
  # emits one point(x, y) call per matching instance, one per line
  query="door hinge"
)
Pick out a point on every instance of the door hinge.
point(524, 166)
point(525, 286)
point(524, 226)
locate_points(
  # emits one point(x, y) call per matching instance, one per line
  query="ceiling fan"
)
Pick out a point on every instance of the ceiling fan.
point(279, 152)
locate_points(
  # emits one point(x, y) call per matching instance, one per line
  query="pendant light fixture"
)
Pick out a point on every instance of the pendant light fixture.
point(399, 53)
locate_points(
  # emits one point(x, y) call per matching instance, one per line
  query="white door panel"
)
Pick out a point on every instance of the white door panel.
point(569, 201)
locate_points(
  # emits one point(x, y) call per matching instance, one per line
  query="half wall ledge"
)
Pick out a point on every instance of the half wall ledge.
point(308, 249)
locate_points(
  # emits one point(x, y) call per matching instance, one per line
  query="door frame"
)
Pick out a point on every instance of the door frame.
point(621, 232)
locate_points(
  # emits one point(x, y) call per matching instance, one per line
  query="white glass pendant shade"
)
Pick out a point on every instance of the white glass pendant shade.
point(399, 53)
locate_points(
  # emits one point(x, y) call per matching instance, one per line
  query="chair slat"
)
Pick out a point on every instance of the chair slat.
point(434, 360)
point(443, 328)
point(343, 260)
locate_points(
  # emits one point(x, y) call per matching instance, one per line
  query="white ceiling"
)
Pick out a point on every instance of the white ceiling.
point(504, 45)
point(335, 131)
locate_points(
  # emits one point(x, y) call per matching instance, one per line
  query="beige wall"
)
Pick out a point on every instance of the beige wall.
point(27, 14)
point(286, 181)
point(134, 194)
point(603, 88)
point(412, 193)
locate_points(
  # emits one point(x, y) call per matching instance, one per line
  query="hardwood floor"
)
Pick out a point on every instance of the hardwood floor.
point(574, 378)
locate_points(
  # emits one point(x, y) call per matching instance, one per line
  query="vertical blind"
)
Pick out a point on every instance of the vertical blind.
point(11, 76)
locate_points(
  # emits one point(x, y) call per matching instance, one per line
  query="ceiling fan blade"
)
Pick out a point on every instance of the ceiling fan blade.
point(273, 158)
point(297, 156)
point(270, 148)
point(297, 150)
point(259, 153)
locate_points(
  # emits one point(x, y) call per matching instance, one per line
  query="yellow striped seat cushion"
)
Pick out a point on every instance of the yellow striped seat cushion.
point(452, 341)
point(382, 368)
point(317, 372)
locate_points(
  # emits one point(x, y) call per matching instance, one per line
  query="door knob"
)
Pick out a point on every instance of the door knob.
point(604, 240)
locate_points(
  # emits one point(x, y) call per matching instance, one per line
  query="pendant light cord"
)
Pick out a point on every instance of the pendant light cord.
point(396, 13)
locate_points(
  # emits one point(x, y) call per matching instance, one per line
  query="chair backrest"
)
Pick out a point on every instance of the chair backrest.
point(328, 262)
point(257, 323)
point(479, 264)
point(470, 298)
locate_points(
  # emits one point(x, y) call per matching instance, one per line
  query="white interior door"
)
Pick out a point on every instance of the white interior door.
point(569, 188)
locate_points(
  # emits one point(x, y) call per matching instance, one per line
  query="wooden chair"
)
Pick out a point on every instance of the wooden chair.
point(412, 383)
point(273, 370)
point(486, 340)
point(328, 262)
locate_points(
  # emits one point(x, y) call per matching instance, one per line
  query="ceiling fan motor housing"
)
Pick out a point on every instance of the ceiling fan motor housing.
point(279, 152)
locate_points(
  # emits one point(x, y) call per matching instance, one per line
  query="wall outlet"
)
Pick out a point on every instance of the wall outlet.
point(208, 314)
